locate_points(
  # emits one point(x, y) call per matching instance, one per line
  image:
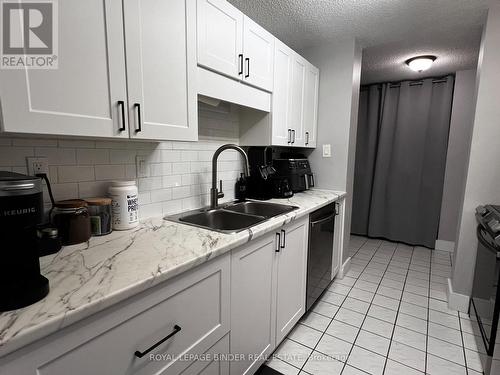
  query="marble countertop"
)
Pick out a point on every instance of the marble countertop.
point(90, 277)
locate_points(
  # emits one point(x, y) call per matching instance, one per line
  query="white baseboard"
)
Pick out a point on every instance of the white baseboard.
point(345, 268)
point(457, 301)
point(445, 245)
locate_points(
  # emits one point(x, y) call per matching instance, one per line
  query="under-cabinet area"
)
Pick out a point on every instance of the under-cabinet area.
point(238, 297)
point(139, 71)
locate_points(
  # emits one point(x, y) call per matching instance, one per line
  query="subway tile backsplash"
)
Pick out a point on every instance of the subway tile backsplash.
point(176, 175)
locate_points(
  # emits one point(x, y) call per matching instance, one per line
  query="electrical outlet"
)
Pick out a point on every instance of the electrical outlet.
point(141, 166)
point(38, 165)
point(327, 151)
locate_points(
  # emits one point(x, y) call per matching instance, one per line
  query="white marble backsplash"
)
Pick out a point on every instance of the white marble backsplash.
point(87, 278)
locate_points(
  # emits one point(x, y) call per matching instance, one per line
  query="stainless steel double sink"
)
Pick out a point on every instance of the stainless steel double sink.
point(232, 217)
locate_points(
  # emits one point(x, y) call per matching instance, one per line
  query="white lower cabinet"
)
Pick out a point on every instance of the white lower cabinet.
point(291, 276)
point(223, 317)
point(194, 308)
point(268, 293)
point(252, 307)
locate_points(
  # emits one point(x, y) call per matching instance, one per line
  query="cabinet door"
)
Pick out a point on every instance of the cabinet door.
point(220, 37)
point(311, 106)
point(161, 69)
point(281, 99)
point(258, 52)
point(81, 96)
point(291, 269)
point(252, 329)
point(297, 103)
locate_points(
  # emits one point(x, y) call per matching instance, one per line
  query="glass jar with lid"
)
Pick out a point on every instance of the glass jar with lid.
point(100, 215)
point(72, 219)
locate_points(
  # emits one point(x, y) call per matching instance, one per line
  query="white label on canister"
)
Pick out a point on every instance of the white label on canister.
point(125, 210)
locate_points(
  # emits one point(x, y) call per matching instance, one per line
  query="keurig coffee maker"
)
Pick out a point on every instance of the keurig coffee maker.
point(21, 210)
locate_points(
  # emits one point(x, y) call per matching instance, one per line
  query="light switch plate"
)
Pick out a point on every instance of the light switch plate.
point(327, 151)
point(37, 165)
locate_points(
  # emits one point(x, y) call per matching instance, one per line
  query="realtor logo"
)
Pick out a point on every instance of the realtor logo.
point(29, 34)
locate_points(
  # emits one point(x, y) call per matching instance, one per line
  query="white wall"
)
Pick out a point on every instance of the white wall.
point(178, 173)
point(339, 64)
point(462, 119)
point(483, 177)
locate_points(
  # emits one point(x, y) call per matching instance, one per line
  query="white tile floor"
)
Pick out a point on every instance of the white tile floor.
point(388, 315)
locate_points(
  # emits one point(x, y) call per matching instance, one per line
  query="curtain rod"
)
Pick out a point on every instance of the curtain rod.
point(416, 82)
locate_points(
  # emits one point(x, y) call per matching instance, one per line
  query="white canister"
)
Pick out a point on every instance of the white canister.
point(125, 204)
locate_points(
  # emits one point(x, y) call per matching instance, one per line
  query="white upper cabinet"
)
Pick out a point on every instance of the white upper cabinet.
point(98, 90)
point(86, 95)
point(160, 39)
point(232, 44)
point(297, 102)
point(220, 37)
point(283, 59)
point(311, 105)
point(294, 116)
point(258, 53)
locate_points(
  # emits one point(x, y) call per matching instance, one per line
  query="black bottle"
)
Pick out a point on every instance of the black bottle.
point(241, 188)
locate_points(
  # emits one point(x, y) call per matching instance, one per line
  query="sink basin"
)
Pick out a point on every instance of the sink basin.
point(267, 210)
point(221, 220)
point(233, 217)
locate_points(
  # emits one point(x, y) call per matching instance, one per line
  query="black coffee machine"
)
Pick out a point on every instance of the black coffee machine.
point(263, 182)
point(21, 210)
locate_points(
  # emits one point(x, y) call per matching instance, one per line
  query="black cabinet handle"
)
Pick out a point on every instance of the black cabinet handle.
point(293, 132)
point(282, 245)
point(278, 243)
point(247, 60)
point(289, 135)
point(142, 354)
point(307, 138)
point(137, 106)
point(121, 104)
point(240, 63)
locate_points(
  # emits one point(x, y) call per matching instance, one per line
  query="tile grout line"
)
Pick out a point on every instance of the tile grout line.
point(397, 313)
point(428, 316)
point(370, 304)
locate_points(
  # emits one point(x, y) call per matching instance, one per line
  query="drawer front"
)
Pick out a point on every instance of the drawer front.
point(213, 362)
point(198, 303)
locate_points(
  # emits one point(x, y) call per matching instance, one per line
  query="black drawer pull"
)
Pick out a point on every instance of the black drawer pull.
point(137, 106)
point(248, 67)
point(240, 59)
point(278, 243)
point(282, 245)
point(142, 354)
point(121, 104)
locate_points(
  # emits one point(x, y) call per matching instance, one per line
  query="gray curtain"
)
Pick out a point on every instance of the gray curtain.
point(400, 160)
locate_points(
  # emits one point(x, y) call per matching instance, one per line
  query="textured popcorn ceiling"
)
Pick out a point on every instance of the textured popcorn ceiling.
point(390, 30)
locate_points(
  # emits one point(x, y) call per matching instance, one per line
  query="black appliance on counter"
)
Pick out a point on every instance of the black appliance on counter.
point(320, 252)
point(21, 211)
point(485, 298)
point(264, 183)
point(296, 169)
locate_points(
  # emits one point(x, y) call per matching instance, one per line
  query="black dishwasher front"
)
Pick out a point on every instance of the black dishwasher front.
point(320, 252)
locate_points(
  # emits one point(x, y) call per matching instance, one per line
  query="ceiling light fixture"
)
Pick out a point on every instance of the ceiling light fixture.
point(420, 63)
